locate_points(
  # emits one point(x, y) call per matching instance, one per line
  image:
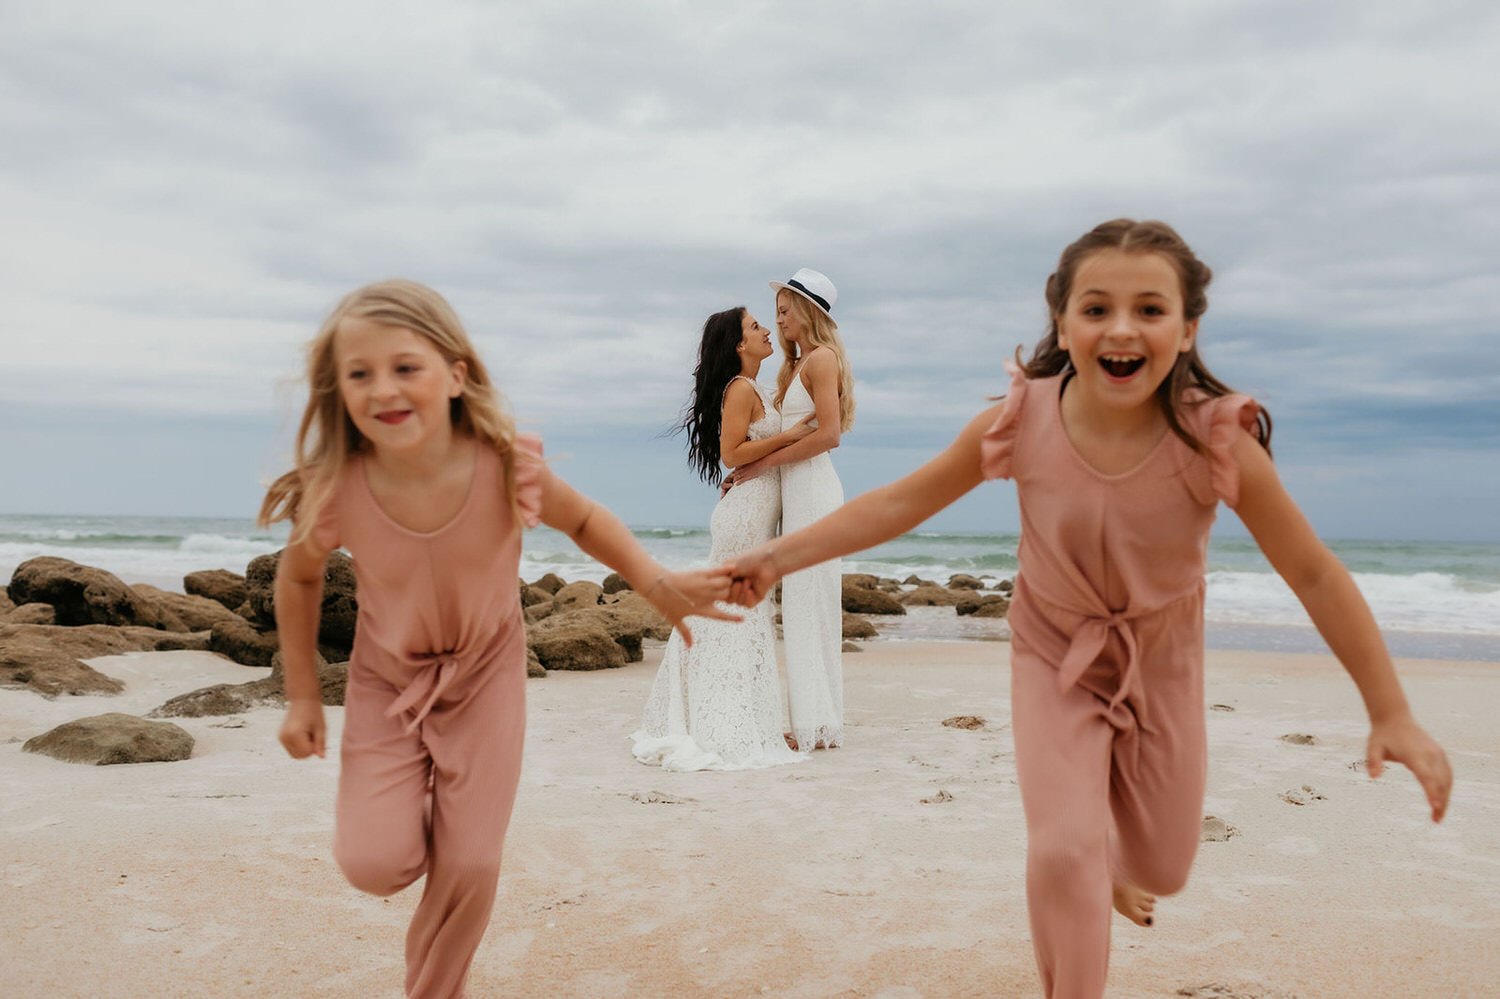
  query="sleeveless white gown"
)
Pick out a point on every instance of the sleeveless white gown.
point(717, 706)
point(812, 618)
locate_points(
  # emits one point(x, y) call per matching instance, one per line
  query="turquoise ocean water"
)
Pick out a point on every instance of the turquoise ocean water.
point(1437, 600)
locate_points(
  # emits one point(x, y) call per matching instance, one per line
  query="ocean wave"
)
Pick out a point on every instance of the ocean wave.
point(1411, 586)
point(1423, 601)
point(103, 539)
point(219, 544)
point(163, 567)
point(943, 565)
point(993, 540)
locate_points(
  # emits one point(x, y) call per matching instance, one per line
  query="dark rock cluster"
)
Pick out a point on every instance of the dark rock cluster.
point(56, 613)
point(867, 594)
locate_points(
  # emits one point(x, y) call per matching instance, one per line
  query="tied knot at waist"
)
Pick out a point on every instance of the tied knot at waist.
point(435, 671)
point(1089, 641)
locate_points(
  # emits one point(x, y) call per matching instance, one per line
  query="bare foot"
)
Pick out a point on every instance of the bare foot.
point(1134, 904)
point(791, 742)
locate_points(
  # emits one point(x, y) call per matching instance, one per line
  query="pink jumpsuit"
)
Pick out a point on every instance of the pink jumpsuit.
point(435, 713)
point(1107, 665)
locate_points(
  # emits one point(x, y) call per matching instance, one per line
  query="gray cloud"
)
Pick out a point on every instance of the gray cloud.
point(194, 188)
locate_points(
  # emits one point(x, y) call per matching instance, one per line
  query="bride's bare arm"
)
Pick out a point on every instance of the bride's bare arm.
point(739, 409)
point(822, 373)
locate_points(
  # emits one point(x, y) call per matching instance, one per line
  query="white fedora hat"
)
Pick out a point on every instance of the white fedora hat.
point(813, 286)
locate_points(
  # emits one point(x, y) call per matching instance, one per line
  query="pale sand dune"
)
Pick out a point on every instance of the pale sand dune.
point(212, 877)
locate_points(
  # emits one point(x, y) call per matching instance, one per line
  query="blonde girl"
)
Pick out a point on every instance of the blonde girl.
point(1121, 444)
point(405, 458)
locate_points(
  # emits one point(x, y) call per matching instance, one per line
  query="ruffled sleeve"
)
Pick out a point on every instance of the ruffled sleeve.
point(529, 478)
point(1228, 416)
point(998, 446)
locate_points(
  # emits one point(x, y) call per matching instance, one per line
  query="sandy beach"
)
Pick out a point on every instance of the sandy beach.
point(892, 867)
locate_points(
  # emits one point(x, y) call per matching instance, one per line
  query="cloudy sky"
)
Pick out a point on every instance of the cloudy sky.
point(187, 188)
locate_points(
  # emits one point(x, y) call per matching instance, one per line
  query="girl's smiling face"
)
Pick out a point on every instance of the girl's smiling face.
point(1123, 325)
point(395, 384)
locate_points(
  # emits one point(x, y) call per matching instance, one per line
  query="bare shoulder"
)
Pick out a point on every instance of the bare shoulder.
point(820, 356)
point(740, 389)
point(820, 362)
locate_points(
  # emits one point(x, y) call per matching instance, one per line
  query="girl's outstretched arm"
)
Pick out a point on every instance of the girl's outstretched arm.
point(299, 604)
point(1344, 620)
point(867, 520)
point(601, 534)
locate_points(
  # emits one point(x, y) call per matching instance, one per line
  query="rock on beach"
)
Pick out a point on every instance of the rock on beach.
point(340, 604)
point(219, 585)
point(112, 738)
point(862, 597)
point(80, 594)
point(48, 658)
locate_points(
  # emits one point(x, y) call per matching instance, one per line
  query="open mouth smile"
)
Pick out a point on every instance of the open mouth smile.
point(393, 417)
point(1121, 366)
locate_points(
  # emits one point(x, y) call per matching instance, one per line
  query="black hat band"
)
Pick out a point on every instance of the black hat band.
point(794, 283)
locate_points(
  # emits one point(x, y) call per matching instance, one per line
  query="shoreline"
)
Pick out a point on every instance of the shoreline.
point(930, 624)
point(1435, 599)
point(845, 875)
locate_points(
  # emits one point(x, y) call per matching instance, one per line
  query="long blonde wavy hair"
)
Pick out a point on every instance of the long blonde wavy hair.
point(327, 437)
point(822, 331)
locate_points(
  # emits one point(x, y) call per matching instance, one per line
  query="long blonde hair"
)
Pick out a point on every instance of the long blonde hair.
point(822, 331)
point(327, 437)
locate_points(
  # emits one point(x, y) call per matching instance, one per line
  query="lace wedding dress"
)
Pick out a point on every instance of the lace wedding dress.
point(812, 613)
point(717, 706)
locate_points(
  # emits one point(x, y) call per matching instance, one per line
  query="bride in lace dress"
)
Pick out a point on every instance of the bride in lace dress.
point(717, 705)
point(815, 383)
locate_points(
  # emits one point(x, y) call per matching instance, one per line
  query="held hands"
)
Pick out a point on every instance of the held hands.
point(303, 730)
point(679, 594)
point(1404, 741)
point(755, 575)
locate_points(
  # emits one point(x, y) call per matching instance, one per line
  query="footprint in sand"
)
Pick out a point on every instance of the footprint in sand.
point(1220, 707)
point(1216, 830)
point(1304, 795)
point(1300, 739)
point(937, 799)
point(1234, 990)
point(659, 798)
point(966, 722)
point(559, 903)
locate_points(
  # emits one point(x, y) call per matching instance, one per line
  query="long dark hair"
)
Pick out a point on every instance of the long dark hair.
point(1048, 359)
point(702, 418)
